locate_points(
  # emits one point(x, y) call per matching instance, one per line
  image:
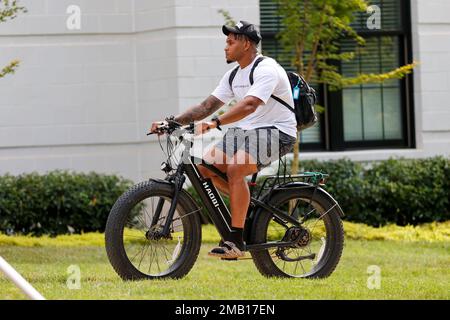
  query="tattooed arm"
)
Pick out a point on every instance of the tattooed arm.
point(201, 111)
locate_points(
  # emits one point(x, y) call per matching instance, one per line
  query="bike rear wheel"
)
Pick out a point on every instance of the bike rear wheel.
point(319, 241)
point(136, 250)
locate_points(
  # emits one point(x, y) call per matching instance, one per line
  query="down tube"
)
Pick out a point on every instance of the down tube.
point(211, 199)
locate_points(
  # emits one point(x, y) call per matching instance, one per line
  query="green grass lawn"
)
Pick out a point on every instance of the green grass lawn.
point(409, 270)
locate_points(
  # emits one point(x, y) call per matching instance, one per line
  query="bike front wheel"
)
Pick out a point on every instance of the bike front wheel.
point(319, 240)
point(134, 243)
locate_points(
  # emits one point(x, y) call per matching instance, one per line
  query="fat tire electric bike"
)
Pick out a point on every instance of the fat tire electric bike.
point(293, 227)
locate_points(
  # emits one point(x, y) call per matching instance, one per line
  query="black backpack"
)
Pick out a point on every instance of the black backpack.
point(304, 97)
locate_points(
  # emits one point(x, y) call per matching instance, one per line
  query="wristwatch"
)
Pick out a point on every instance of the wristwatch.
point(218, 123)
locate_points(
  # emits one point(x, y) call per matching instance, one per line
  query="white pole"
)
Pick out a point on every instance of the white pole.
point(20, 282)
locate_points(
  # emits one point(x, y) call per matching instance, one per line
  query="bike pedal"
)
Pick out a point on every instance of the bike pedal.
point(229, 259)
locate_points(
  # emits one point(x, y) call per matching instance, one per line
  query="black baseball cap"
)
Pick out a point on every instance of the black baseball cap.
point(243, 27)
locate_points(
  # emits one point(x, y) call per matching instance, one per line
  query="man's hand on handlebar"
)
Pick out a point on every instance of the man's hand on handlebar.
point(203, 127)
point(168, 126)
point(158, 127)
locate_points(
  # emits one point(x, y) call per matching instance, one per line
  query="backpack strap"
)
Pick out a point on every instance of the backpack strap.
point(235, 70)
point(232, 75)
point(254, 67)
point(257, 62)
point(284, 103)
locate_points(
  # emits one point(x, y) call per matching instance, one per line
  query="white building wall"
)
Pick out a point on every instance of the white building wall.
point(72, 103)
point(84, 99)
point(431, 34)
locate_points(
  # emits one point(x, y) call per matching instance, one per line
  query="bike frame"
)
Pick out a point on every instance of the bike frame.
point(218, 211)
point(215, 206)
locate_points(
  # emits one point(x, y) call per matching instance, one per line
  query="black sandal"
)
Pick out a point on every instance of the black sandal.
point(227, 251)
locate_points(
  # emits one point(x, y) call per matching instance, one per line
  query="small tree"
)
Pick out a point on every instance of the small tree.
point(8, 11)
point(312, 31)
point(229, 21)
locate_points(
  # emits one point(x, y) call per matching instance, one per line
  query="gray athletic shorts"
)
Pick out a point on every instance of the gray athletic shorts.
point(265, 145)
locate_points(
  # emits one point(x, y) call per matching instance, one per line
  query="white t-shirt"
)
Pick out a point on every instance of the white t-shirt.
point(268, 78)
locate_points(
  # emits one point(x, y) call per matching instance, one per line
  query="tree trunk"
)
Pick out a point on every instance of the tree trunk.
point(294, 170)
point(294, 165)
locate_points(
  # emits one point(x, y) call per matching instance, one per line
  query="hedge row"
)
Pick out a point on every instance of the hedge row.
point(428, 232)
point(396, 191)
point(393, 191)
point(58, 202)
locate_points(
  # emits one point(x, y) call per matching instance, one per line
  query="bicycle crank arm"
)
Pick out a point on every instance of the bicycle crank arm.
point(283, 257)
point(268, 245)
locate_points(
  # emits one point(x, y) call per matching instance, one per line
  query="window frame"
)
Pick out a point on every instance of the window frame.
point(332, 122)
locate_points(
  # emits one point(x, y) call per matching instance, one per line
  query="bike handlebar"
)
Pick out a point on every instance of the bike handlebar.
point(170, 126)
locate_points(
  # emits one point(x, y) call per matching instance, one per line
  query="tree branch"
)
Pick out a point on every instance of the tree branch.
point(315, 45)
point(10, 68)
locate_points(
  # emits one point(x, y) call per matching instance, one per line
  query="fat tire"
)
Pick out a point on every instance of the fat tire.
point(117, 219)
point(262, 259)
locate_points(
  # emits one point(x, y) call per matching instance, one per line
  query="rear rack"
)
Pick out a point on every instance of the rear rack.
point(314, 179)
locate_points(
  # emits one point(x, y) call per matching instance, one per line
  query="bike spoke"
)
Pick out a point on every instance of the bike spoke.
point(319, 219)
point(295, 208)
point(301, 265)
point(143, 254)
point(307, 215)
point(157, 259)
point(142, 223)
point(304, 259)
point(146, 249)
point(296, 266)
point(165, 250)
point(150, 261)
point(186, 215)
point(153, 210)
point(134, 257)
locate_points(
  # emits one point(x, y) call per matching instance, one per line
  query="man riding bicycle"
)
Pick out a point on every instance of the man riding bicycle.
point(255, 114)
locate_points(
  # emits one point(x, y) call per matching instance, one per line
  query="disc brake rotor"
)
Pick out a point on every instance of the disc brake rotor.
point(300, 237)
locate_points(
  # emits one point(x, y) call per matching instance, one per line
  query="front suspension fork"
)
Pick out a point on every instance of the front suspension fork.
point(178, 185)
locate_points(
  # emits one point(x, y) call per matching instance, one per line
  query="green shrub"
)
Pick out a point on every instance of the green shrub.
point(58, 202)
point(346, 182)
point(409, 191)
point(393, 191)
point(396, 191)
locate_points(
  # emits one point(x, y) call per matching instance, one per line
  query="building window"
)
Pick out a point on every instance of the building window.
point(373, 111)
point(312, 138)
point(363, 116)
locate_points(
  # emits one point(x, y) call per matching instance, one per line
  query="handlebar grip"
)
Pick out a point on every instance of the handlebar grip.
point(150, 133)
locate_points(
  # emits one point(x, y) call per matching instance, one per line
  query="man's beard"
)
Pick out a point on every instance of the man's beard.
point(230, 61)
